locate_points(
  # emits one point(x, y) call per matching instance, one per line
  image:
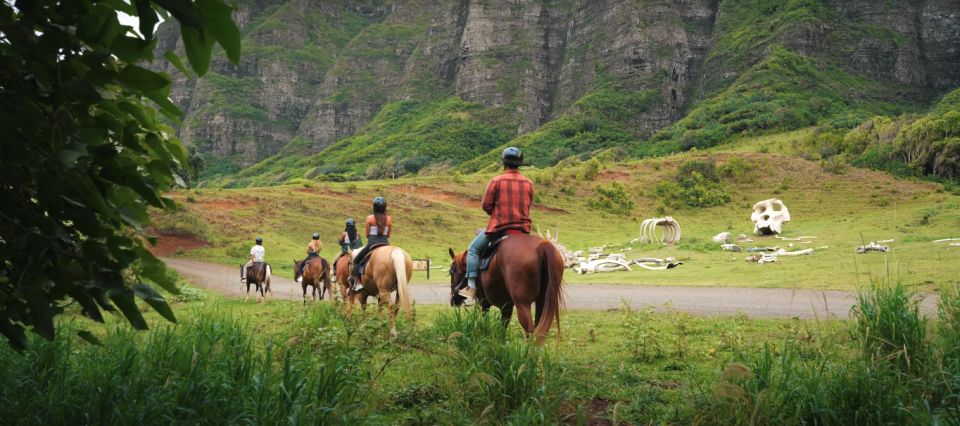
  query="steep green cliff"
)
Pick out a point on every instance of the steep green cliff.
point(382, 88)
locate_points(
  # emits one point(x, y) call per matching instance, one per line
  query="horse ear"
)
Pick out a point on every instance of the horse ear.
point(452, 256)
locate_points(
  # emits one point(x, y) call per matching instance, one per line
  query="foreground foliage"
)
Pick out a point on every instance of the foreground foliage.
point(86, 154)
point(315, 364)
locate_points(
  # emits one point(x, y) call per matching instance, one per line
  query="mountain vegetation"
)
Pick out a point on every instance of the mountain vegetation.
point(372, 89)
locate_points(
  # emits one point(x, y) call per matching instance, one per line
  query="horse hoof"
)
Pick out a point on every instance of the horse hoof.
point(393, 332)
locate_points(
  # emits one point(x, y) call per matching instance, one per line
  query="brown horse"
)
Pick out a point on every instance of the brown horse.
point(313, 274)
point(388, 269)
point(525, 270)
point(342, 268)
point(258, 275)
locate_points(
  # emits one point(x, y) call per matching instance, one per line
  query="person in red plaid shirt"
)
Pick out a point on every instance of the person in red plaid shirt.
point(507, 201)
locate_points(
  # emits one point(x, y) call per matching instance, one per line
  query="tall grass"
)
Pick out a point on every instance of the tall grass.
point(206, 370)
point(505, 377)
point(896, 373)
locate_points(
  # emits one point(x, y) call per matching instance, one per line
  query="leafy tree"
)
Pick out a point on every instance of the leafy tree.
point(85, 153)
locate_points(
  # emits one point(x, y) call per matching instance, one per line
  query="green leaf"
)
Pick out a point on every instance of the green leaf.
point(13, 332)
point(167, 107)
point(131, 49)
point(175, 147)
point(148, 18)
point(124, 300)
point(90, 309)
point(216, 17)
point(143, 79)
point(175, 60)
point(41, 312)
point(183, 10)
point(155, 300)
point(68, 157)
point(89, 338)
point(155, 270)
point(198, 47)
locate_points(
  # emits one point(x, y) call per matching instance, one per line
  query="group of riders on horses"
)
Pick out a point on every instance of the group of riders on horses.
point(507, 201)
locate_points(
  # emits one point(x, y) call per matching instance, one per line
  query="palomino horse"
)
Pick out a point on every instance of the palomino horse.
point(342, 272)
point(388, 269)
point(259, 276)
point(525, 270)
point(314, 273)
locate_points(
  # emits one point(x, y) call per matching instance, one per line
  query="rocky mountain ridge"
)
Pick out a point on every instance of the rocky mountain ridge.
point(315, 73)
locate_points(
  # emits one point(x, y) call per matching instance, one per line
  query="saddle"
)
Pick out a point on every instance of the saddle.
point(257, 271)
point(487, 254)
point(360, 265)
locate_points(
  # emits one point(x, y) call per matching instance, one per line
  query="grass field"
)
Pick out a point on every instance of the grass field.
point(433, 213)
point(288, 362)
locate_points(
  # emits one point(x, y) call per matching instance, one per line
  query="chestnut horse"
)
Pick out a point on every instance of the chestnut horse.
point(313, 274)
point(388, 269)
point(524, 270)
point(258, 275)
point(342, 272)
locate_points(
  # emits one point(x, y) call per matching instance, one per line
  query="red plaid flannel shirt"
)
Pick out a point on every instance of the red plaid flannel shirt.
point(507, 201)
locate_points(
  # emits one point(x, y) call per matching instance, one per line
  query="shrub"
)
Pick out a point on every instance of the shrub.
point(834, 165)
point(611, 199)
point(736, 169)
point(697, 184)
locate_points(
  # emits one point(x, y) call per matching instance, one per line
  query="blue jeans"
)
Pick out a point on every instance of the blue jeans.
point(473, 254)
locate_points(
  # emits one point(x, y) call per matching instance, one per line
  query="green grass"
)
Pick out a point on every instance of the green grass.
point(434, 213)
point(285, 361)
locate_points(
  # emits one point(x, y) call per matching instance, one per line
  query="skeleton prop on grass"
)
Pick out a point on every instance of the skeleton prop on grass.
point(669, 230)
point(768, 217)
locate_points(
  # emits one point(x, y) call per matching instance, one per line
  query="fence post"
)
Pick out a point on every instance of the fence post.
point(428, 268)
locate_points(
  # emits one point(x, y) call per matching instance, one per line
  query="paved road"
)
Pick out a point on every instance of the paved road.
point(755, 302)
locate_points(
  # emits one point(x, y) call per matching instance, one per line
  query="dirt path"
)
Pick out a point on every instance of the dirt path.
point(755, 302)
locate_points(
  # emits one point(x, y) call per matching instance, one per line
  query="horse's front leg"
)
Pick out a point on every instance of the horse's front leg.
point(246, 296)
point(505, 313)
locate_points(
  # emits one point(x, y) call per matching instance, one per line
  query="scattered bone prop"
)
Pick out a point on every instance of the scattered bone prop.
point(803, 238)
point(768, 217)
point(803, 252)
point(762, 258)
point(768, 257)
point(602, 265)
point(722, 238)
point(946, 240)
point(670, 230)
point(731, 247)
point(873, 246)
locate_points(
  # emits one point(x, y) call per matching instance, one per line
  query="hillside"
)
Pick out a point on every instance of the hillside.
point(434, 213)
point(368, 89)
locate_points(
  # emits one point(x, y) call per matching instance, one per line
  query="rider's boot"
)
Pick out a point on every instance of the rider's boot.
point(470, 291)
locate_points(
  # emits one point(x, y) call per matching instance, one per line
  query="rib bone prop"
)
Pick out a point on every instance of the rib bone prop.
point(669, 230)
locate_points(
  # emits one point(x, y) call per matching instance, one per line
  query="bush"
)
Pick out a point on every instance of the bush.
point(612, 199)
point(898, 376)
point(736, 169)
point(697, 184)
point(206, 370)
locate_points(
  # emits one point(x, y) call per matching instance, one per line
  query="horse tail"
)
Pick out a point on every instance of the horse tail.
point(400, 267)
point(326, 278)
point(267, 273)
point(551, 281)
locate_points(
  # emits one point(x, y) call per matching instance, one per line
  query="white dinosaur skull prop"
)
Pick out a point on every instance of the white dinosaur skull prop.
point(768, 217)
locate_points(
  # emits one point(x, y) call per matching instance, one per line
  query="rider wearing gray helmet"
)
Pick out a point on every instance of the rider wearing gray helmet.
point(507, 201)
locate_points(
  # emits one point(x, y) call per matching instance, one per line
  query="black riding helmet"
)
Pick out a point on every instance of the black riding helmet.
point(379, 205)
point(351, 222)
point(512, 157)
point(316, 235)
point(259, 241)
